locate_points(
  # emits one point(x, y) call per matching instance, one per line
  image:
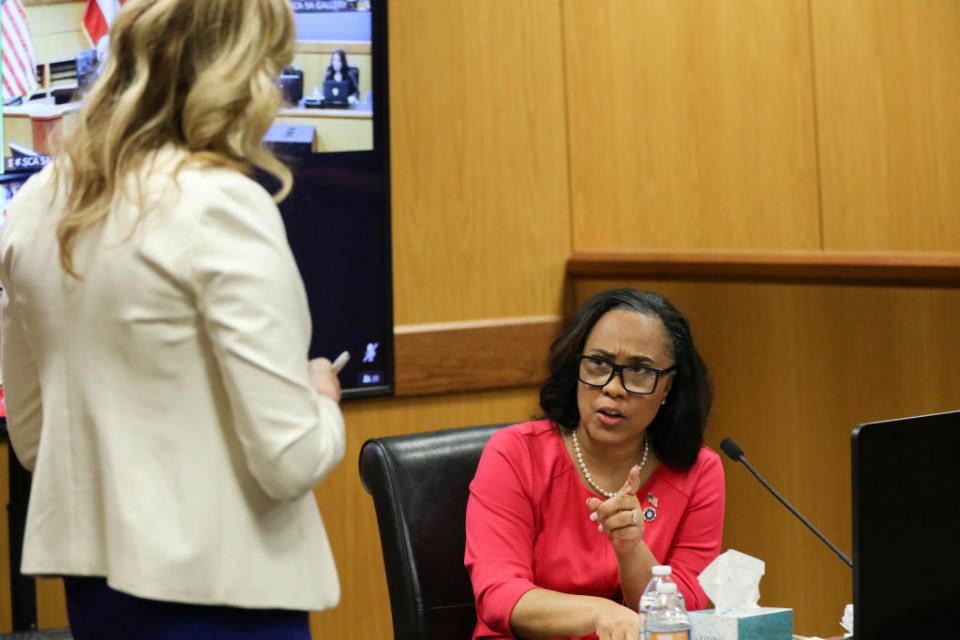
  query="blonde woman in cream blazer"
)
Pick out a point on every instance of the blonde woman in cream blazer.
point(155, 348)
point(164, 403)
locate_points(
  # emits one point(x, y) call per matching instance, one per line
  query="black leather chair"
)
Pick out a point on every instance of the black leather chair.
point(419, 484)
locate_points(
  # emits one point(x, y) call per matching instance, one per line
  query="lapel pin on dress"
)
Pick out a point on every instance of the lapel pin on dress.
point(650, 511)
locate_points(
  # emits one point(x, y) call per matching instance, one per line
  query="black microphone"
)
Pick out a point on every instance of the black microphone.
point(733, 450)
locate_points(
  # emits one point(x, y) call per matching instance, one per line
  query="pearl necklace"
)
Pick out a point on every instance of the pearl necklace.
point(586, 472)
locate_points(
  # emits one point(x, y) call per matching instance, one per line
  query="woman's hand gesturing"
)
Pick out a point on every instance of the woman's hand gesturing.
point(620, 517)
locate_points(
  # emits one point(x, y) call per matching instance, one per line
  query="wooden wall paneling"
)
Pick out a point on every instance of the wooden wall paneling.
point(17, 129)
point(473, 356)
point(888, 95)
point(46, 18)
point(56, 30)
point(479, 174)
point(691, 125)
point(364, 610)
point(51, 604)
point(795, 368)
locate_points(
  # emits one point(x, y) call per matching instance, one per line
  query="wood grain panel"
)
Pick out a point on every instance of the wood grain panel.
point(51, 604)
point(326, 47)
point(479, 176)
point(473, 356)
point(691, 124)
point(888, 95)
point(795, 267)
point(795, 368)
point(67, 15)
point(56, 30)
point(364, 610)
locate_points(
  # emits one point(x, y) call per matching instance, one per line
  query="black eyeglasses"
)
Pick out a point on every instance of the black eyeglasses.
point(636, 379)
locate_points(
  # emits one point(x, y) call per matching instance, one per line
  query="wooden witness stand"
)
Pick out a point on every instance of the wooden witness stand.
point(43, 127)
point(44, 120)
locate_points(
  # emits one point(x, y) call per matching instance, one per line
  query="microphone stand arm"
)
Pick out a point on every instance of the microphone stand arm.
point(796, 513)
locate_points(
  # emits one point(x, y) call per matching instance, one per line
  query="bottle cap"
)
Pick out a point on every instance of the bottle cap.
point(667, 587)
point(661, 570)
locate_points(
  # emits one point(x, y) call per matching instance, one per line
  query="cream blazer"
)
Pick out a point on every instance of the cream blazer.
point(163, 401)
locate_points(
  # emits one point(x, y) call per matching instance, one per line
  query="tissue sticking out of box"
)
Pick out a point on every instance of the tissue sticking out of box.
point(847, 621)
point(732, 581)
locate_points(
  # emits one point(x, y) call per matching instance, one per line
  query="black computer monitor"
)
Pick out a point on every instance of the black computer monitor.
point(906, 526)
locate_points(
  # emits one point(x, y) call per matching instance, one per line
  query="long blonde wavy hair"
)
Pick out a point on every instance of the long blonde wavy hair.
point(198, 74)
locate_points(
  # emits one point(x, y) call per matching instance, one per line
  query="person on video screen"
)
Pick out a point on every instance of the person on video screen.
point(339, 71)
point(155, 344)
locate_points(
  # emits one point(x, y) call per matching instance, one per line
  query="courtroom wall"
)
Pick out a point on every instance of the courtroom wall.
point(764, 126)
point(55, 28)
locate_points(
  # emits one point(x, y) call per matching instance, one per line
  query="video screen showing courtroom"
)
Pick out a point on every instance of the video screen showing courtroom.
point(330, 130)
point(328, 89)
point(50, 62)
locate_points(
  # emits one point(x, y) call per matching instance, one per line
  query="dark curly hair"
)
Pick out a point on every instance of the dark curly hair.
point(676, 433)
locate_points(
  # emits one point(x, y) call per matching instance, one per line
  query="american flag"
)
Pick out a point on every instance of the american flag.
point(98, 17)
point(19, 64)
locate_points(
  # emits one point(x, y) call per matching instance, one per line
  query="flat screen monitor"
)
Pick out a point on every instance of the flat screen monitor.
point(338, 214)
point(906, 526)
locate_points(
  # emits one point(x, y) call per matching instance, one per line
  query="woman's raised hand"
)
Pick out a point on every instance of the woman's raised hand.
point(620, 517)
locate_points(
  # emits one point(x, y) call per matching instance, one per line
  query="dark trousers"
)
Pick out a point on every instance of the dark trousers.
point(98, 612)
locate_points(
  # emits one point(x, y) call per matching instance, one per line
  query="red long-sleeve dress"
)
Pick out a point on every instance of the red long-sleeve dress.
point(527, 525)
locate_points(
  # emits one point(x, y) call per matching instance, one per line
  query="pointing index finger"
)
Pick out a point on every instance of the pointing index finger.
point(632, 484)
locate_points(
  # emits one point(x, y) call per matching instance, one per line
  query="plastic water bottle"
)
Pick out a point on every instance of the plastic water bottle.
point(667, 618)
point(661, 575)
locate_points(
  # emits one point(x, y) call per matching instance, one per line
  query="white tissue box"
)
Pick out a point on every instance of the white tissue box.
point(765, 623)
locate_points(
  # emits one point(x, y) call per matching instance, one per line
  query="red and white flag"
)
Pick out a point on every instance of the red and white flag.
point(19, 64)
point(98, 17)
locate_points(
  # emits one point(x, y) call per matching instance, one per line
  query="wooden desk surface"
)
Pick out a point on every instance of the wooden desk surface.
point(41, 111)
